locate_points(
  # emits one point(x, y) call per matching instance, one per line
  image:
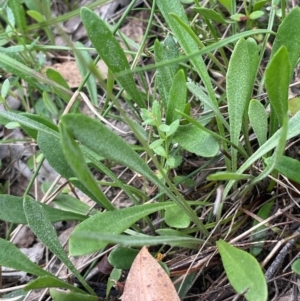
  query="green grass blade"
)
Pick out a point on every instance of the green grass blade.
point(83, 60)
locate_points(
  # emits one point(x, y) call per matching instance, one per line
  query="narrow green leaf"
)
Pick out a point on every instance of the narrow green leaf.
point(29, 122)
point(69, 203)
point(288, 35)
point(12, 257)
point(12, 211)
point(177, 97)
point(57, 77)
point(98, 138)
point(109, 222)
point(199, 93)
point(94, 237)
point(164, 52)
point(204, 50)
point(292, 131)
point(59, 295)
point(244, 272)
point(32, 77)
point(225, 176)
point(259, 120)
point(210, 14)
point(50, 104)
point(260, 234)
point(256, 14)
point(278, 86)
point(196, 141)
point(238, 78)
point(110, 51)
point(288, 167)
point(227, 4)
point(83, 60)
point(19, 14)
point(42, 228)
point(48, 281)
point(279, 150)
point(76, 161)
point(177, 20)
point(51, 148)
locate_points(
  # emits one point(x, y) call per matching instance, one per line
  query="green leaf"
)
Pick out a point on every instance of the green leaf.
point(256, 14)
point(5, 88)
point(164, 52)
point(244, 272)
point(136, 240)
point(278, 86)
point(238, 78)
point(294, 105)
point(51, 148)
point(122, 257)
point(288, 35)
point(58, 295)
point(259, 120)
point(225, 176)
point(288, 167)
point(259, 4)
point(110, 222)
point(42, 228)
point(12, 211)
point(76, 161)
point(177, 20)
point(196, 141)
point(198, 92)
point(292, 131)
point(69, 203)
point(12, 257)
point(259, 234)
point(50, 104)
point(296, 266)
point(174, 217)
point(48, 281)
point(210, 14)
point(238, 17)
point(227, 4)
point(83, 60)
point(110, 51)
point(177, 97)
point(57, 77)
point(98, 138)
point(32, 77)
point(25, 121)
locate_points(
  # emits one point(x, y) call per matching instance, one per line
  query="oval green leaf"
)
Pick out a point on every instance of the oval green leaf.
point(244, 272)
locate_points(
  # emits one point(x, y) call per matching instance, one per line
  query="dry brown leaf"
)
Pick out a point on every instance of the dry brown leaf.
point(148, 281)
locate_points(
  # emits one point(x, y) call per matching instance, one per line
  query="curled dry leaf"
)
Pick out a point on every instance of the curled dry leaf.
point(148, 281)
